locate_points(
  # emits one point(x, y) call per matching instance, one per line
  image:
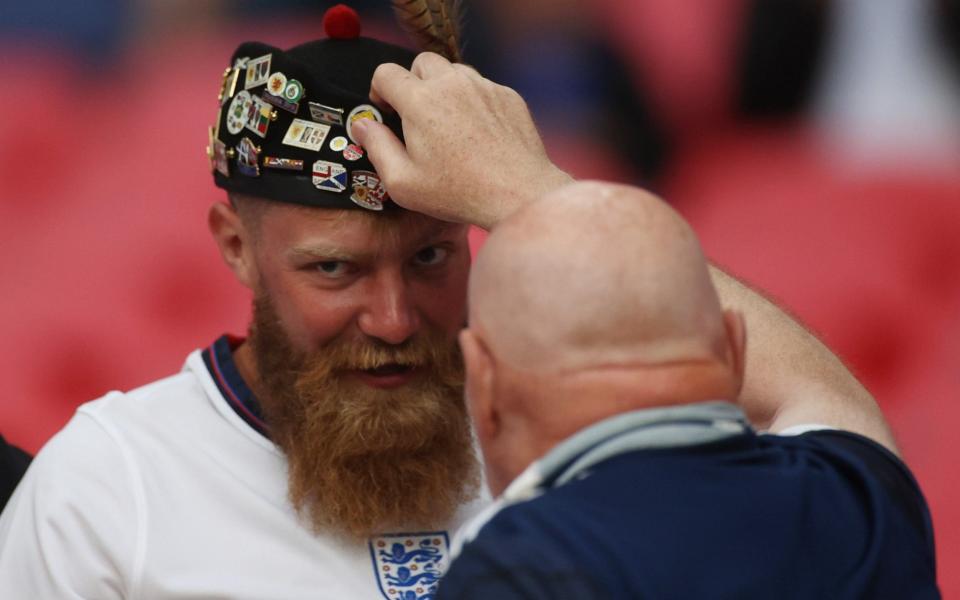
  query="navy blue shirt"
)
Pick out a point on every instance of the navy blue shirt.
point(826, 514)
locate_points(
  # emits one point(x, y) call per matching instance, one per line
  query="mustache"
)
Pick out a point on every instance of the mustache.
point(372, 354)
point(427, 351)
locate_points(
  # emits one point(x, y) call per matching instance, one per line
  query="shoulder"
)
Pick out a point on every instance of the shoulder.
point(85, 459)
point(518, 554)
point(864, 463)
point(168, 393)
point(74, 524)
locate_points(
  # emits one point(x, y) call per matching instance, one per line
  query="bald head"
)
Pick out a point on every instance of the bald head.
point(595, 276)
point(594, 301)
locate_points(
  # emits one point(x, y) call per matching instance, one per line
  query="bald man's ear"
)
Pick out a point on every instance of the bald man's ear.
point(479, 386)
point(234, 242)
point(737, 335)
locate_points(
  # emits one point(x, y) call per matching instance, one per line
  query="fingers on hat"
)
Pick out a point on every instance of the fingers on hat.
point(467, 70)
point(387, 154)
point(392, 85)
point(429, 64)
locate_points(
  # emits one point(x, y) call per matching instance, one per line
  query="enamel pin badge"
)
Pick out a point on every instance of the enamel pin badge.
point(248, 158)
point(364, 111)
point(276, 83)
point(329, 176)
point(326, 114)
point(285, 164)
point(368, 191)
point(353, 152)
point(258, 71)
point(258, 116)
point(306, 134)
point(280, 102)
point(220, 162)
point(225, 85)
point(293, 91)
point(238, 112)
point(230, 78)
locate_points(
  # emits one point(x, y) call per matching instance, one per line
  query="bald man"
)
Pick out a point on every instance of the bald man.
point(616, 399)
point(590, 303)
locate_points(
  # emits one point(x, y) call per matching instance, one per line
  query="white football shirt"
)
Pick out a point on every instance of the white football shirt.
point(165, 492)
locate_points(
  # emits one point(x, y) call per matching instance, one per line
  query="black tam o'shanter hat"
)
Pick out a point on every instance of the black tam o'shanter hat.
point(284, 126)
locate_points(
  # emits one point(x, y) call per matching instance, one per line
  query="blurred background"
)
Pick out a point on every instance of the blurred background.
point(813, 144)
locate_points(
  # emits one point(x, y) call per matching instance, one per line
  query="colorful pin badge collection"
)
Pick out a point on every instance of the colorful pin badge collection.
point(254, 113)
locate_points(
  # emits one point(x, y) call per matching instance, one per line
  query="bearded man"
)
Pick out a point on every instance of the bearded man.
point(328, 455)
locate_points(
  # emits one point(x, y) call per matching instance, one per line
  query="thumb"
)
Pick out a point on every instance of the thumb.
point(386, 152)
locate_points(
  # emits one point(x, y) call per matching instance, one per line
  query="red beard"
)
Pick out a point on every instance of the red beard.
point(364, 460)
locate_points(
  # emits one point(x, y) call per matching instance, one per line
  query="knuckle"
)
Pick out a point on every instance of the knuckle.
point(420, 60)
point(385, 71)
point(397, 184)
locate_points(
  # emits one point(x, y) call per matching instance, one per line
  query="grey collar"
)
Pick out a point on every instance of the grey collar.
point(670, 427)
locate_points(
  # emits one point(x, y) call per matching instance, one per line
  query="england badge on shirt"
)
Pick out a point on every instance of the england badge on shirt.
point(409, 565)
point(306, 134)
point(329, 176)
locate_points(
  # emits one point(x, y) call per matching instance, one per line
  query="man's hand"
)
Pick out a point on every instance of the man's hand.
point(472, 153)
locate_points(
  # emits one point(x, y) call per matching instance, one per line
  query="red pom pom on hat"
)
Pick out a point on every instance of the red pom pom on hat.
point(341, 22)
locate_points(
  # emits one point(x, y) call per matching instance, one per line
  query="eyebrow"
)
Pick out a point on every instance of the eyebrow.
point(321, 252)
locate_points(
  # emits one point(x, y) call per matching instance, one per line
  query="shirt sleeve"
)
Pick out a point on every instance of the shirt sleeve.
point(891, 473)
point(71, 527)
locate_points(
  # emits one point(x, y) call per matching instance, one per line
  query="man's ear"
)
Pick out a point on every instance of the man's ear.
point(479, 385)
point(234, 241)
point(737, 335)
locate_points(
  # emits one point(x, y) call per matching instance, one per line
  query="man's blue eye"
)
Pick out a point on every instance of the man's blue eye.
point(433, 255)
point(332, 267)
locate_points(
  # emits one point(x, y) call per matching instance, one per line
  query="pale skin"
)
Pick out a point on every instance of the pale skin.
point(480, 138)
point(334, 275)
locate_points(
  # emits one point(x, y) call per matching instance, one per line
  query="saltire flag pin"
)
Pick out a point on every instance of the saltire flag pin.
point(248, 156)
point(329, 176)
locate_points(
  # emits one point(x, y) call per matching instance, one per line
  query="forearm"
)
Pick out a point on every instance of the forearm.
point(791, 378)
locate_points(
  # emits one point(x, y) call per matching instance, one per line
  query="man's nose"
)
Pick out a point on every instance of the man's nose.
point(390, 314)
